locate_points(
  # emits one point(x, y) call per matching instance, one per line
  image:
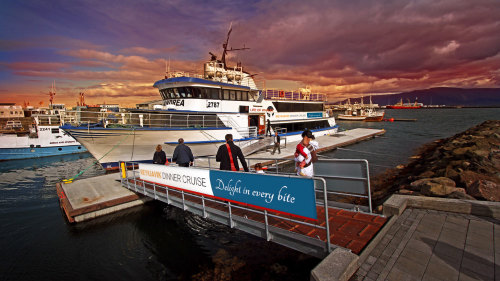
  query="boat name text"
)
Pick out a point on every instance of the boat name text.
point(175, 102)
point(213, 104)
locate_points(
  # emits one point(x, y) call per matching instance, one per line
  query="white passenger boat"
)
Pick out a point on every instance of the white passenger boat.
point(36, 136)
point(201, 109)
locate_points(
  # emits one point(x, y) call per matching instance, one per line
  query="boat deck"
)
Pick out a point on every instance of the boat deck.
point(326, 143)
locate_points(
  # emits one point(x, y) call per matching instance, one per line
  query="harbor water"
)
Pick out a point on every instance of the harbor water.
point(156, 242)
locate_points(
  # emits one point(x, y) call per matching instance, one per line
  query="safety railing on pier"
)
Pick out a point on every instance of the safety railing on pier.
point(348, 180)
point(249, 219)
point(310, 237)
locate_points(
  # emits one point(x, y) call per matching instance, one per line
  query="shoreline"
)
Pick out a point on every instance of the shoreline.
point(464, 166)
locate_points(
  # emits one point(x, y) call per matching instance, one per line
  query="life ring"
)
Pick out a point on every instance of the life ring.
point(282, 94)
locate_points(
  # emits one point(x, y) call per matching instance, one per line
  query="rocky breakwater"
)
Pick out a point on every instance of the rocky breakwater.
point(465, 166)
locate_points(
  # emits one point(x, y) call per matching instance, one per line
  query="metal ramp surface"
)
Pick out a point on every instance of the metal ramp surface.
point(347, 229)
point(256, 146)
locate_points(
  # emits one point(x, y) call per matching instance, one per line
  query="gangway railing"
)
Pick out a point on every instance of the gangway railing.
point(347, 179)
point(259, 222)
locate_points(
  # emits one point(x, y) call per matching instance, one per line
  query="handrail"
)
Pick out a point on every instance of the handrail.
point(276, 94)
point(331, 190)
point(142, 119)
point(126, 181)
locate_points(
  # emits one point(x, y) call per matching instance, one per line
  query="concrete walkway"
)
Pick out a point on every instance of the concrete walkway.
point(435, 245)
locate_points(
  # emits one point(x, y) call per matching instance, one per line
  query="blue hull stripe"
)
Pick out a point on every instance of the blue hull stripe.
point(35, 152)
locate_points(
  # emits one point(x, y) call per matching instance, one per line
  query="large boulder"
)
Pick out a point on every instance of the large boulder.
point(484, 189)
point(460, 194)
point(441, 186)
point(460, 153)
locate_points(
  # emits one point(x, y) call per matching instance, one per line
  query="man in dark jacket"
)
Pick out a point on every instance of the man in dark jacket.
point(224, 159)
point(183, 155)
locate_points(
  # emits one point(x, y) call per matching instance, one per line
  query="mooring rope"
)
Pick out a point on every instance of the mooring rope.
point(70, 180)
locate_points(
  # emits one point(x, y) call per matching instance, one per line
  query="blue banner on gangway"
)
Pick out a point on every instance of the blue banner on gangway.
point(290, 195)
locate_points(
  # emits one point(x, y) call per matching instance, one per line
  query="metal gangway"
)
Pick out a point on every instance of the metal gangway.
point(335, 180)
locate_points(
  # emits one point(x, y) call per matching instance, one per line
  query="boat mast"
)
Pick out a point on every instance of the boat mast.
point(225, 44)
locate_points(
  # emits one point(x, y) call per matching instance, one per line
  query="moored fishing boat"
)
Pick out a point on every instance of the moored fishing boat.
point(358, 112)
point(401, 105)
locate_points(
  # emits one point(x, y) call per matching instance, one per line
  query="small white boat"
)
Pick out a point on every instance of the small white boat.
point(38, 139)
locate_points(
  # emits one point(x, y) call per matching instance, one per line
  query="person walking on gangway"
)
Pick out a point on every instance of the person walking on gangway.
point(228, 155)
point(183, 155)
point(277, 141)
point(159, 157)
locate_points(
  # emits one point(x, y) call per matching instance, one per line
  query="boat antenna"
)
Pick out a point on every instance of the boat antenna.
point(167, 68)
point(225, 44)
point(52, 93)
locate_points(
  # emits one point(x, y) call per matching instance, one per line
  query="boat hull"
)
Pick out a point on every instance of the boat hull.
point(375, 118)
point(36, 152)
point(109, 146)
point(45, 141)
point(402, 107)
point(114, 145)
point(350, 117)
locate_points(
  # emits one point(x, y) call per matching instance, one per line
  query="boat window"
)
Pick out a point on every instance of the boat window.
point(176, 93)
point(196, 92)
point(55, 130)
point(182, 92)
point(226, 94)
point(238, 95)
point(232, 95)
point(168, 93)
point(301, 126)
point(244, 96)
point(189, 93)
point(162, 93)
point(214, 94)
point(297, 107)
point(253, 96)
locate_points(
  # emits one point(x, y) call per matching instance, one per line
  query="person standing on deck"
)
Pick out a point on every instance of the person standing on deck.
point(268, 128)
point(159, 157)
point(277, 141)
point(228, 155)
point(183, 155)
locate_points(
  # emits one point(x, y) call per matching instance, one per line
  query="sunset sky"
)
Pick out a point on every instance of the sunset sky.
point(114, 51)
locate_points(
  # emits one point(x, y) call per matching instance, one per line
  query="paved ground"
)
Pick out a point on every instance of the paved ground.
point(434, 245)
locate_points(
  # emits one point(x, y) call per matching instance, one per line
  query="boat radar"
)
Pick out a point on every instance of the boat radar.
point(218, 70)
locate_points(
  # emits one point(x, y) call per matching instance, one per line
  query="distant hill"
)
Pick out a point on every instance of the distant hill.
point(442, 96)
